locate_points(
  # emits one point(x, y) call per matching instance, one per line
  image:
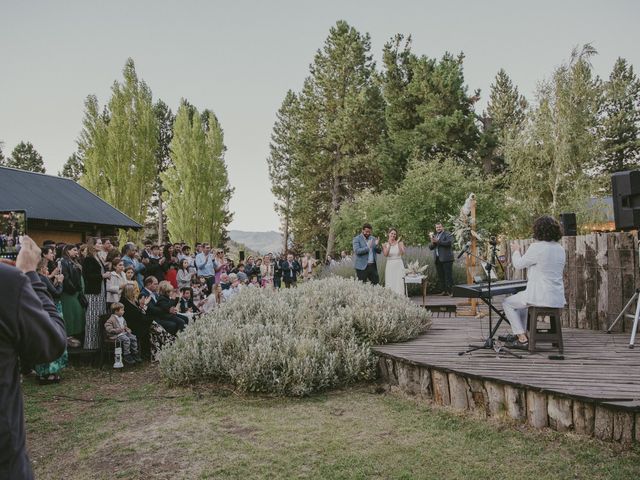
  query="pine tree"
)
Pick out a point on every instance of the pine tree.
point(505, 115)
point(26, 157)
point(281, 161)
point(73, 167)
point(119, 146)
point(341, 123)
point(196, 186)
point(428, 112)
point(621, 122)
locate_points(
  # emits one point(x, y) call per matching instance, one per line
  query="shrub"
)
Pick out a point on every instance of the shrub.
point(296, 341)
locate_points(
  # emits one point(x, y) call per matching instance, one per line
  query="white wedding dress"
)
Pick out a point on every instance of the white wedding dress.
point(394, 271)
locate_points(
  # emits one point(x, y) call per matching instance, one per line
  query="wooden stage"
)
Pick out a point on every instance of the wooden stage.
point(595, 390)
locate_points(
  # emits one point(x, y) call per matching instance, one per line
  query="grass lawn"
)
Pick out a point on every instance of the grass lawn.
point(105, 424)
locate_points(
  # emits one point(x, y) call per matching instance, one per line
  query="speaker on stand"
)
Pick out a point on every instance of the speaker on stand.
point(569, 225)
point(241, 255)
point(625, 189)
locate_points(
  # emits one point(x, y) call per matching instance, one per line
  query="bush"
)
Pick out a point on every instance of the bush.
point(422, 254)
point(293, 342)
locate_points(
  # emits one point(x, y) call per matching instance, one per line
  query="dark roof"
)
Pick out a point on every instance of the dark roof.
point(46, 197)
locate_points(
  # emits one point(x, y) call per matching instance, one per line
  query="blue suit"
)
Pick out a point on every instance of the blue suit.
point(366, 267)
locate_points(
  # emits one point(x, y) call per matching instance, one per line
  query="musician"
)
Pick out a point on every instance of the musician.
point(544, 261)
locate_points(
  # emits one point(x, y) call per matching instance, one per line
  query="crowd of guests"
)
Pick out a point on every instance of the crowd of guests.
point(141, 298)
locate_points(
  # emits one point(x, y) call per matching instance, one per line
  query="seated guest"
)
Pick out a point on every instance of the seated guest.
point(186, 305)
point(242, 276)
point(136, 317)
point(254, 282)
point(184, 274)
point(234, 288)
point(117, 330)
point(224, 281)
point(165, 313)
point(168, 303)
point(544, 261)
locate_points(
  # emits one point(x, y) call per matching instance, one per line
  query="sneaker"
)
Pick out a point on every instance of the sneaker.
point(518, 345)
point(129, 359)
point(73, 342)
point(509, 338)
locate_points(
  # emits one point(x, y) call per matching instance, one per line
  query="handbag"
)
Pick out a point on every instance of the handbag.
point(83, 300)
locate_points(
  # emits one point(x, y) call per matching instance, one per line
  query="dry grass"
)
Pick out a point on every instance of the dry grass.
point(129, 425)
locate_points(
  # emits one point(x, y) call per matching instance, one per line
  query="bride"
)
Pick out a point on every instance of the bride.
point(394, 271)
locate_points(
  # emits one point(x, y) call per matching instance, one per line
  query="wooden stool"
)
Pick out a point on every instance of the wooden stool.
point(552, 334)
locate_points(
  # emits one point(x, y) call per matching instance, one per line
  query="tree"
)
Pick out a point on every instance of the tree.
point(281, 161)
point(196, 186)
point(621, 122)
point(26, 157)
point(73, 167)
point(505, 115)
point(550, 158)
point(341, 120)
point(165, 119)
point(428, 112)
point(2, 159)
point(120, 145)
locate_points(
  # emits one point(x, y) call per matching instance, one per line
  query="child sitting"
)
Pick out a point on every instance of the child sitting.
point(117, 330)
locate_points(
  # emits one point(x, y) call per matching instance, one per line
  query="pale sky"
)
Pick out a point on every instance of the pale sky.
point(239, 58)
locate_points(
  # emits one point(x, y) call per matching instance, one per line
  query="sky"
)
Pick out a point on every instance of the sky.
point(239, 59)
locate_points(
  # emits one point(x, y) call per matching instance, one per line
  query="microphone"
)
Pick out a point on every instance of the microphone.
point(464, 250)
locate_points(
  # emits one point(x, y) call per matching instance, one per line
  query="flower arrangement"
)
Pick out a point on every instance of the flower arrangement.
point(414, 269)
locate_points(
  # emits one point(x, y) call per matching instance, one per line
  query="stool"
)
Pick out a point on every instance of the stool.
point(553, 334)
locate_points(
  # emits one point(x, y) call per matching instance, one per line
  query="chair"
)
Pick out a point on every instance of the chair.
point(548, 333)
point(106, 346)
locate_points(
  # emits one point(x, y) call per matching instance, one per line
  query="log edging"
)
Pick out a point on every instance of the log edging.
point(492, 398)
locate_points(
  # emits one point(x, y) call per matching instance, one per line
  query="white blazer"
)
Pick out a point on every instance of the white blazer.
point(544, 262)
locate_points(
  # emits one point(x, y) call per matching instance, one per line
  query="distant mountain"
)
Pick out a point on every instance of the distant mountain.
point(262, 242)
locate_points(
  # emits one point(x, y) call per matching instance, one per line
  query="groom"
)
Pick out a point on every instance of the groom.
point(365, 247)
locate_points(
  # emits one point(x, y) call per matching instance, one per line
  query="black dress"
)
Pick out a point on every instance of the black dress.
point(139, 324)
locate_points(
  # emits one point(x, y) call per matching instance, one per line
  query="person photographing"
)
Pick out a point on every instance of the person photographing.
point(442, 245)
point(32, 332)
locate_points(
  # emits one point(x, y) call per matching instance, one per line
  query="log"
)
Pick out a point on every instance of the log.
point(603, 427)
point(496, 399)
point(426, 389)
point(638, 427)
point(477, 397)
point(382, 369)
point(458, 390)
point(406, 378)
point(578, 286)
point(516, 402)
point(623, 427)
point(440, 388)
point(537, 415)
point(583, 417)
point(391, 372)
point(560, 413)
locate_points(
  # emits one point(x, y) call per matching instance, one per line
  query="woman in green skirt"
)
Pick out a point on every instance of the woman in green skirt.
point(72, 287)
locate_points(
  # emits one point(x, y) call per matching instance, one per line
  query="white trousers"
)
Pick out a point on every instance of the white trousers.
point(516, 310)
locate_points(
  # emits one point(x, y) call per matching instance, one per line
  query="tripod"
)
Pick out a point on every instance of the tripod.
point(635, 317)
point(489, 342)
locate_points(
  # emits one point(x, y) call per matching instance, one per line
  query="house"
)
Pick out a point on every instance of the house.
point(58, 208)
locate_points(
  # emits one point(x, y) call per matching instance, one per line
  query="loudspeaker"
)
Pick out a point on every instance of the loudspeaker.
point(569, 226)
point(241, 255)
point(317, 254)
point(625, 188)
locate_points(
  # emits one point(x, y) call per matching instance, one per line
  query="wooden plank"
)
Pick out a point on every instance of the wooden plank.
point(628, 265)
point(602, 278)
point(579, 292)
point(615, 300)
point(591, 283)
point(571, 281)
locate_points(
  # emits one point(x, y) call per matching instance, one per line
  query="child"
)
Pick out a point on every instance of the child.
point(117, 330)
point(254, 282)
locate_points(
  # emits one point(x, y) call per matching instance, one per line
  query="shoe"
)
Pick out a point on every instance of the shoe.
point(509, 338)
point(518, 345)
point(129, 359)
point(443, 294)
point(73, 342)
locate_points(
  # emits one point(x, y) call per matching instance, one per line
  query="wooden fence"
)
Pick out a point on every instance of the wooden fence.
point(600, 277)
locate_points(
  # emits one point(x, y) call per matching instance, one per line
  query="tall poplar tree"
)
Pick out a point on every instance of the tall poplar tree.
point(196, 186)
point(621, 122)
point(341, 110)
point(550, 158)
point(25, 157)
point(281, 160)
point(119, 146)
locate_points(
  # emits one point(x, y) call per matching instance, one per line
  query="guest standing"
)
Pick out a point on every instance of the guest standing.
point(115, 282)
point(290, 270)
point(442, 245)
point(365, 247)
point(95, 276)
point(73, 311)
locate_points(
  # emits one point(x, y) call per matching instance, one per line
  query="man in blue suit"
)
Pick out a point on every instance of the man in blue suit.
point(442, 245)
point(365, 248)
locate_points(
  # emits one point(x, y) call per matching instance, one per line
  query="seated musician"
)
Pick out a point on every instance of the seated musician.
point(544, 261)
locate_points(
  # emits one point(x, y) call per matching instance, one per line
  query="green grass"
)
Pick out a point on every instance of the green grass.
point(129, 425)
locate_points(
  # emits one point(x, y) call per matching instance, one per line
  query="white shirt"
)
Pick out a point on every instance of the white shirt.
point(120, 321)
point(544, 262)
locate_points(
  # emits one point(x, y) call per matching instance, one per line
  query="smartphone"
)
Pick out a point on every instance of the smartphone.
point(13, 227)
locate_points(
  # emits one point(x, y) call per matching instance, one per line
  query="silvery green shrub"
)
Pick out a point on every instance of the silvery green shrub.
point(296, 341)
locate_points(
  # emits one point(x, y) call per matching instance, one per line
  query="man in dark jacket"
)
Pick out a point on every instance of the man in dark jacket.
point(442, 246)
point(290, 270)
point(30, 329)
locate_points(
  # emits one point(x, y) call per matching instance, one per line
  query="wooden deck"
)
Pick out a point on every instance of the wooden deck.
point(599, 372)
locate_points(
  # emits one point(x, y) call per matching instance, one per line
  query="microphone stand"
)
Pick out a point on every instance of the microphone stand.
point(489, 342)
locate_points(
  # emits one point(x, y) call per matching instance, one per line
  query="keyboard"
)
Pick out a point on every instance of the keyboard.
point(481, 290)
